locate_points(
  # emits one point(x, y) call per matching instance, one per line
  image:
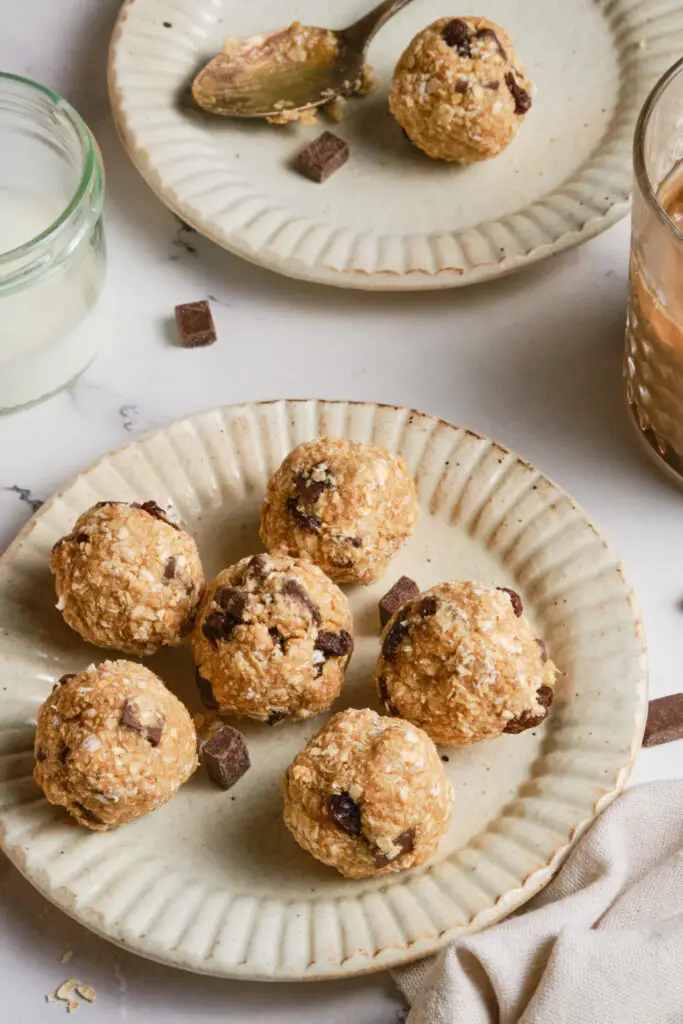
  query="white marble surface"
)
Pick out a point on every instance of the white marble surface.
point(533, 361)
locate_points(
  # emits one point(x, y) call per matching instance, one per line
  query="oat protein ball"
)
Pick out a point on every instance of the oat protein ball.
point(368, 795)
point(463, 663)
point(459, 90)
point(128, 578)
point(112, 744)
point(272, 639)
point(347, 506)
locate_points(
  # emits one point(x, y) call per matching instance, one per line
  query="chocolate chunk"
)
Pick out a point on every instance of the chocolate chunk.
point(225, 756)
point(257, 567)
point(153, 509)
point(87, 813)
point(233, 600)
point(40, 754)
point(323, 157)
point(386, 699)
point(664, 720)
point(398, 631)
point(427, 606)
point(130, 718)
point(406, 844)
point(493, 86)
point(527, 720)
point(356, 542)
point(488, 33)
point(404, 589)
point(520, 96)
point(218, 626)
point(457, 34)
point(306, 520)
point(65, 678)
point(206, 692)
point(334, 645)
point(278, 639)
point(82, 538)
point(345, 813)
point(461, 86)
point(195, 324)
point(309, 490)
point(276, 716)
point(544, 650)
point(293, 589)
point(64, 754)
point(517, 605)
point(169, 571)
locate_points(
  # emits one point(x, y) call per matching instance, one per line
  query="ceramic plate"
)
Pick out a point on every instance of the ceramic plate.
point(213, 882)
point(393, 219)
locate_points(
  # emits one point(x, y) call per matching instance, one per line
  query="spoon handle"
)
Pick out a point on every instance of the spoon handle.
point(361, 32)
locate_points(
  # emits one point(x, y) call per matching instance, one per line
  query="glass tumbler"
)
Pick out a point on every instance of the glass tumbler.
point(51, 244)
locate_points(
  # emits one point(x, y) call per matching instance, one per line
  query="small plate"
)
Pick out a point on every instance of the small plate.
point(213, 882)
point(393, 219)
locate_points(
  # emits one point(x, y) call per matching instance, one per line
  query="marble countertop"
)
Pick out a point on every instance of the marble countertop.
point(533, 360)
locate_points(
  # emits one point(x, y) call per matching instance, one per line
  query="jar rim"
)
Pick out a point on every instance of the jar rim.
point(640, 170)
point(91, 167)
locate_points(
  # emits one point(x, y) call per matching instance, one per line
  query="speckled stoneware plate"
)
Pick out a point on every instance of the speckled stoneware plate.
point(213, 882)
point(392, 218)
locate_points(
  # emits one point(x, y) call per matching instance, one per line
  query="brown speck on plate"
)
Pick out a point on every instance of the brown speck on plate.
point(195, 324)
point(322, 157)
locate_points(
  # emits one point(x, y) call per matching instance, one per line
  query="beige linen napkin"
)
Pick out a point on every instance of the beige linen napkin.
point(602, 944)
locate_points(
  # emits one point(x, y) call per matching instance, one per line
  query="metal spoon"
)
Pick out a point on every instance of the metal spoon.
point(289, 70)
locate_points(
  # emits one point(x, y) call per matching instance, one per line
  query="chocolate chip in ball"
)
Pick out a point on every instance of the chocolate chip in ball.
point(461, 86)
point(130, 719)
point(528, 720)
point(86, 813)
point(155, 510)
point(427, 606)
point(64, 753)
point(345, 813)
point(488, 33)
point(278, 639)
point(385, 698)
point(276, 716)
point(397, 633)
point(405, 843)
point(65, 678)
point(334, 645)
point(225, 756)
point(457, 34)
point(308, 489)
point(306, 520)
point(257, 568)
point(82, 538)
point(516, 600)
point(403, 590)
point(206, 692)
point(40, 754)
point(520, 96)
point(170, 568)
point(233, 600)
point(292, 588)
point(218, 626)
point(543, 649)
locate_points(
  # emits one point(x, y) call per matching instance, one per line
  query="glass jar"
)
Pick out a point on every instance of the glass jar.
point(51, 243)
point(653, 366)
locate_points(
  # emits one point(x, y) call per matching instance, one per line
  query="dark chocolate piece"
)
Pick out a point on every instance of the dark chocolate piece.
point(517, 605)
point(520, 96)
point(309, 490)
point(218, 626)
point(206, 692)
point(461, 86)
point(457, 34)
point(543, 648)
point(306, 520)
point(386, 699)
point(40, 754)
point(356, 542)
point(258, 566)
point(334, 645)
point(427, 606)
point(276, 716)
point(664, 720)
point(152, 509)
point(406, 842)
point(493, 86)
point(527, 720)
point(169, 571)
point(233, 600)
point(278, 639)
point(87, 813)
point(322, 157)
point(404, 589)
point(225, 756)
point(82, 538)
point(293, 589)
point(345, 813)
point(64, 754)
point(488, 33)
point(65, 678)
point(195, 324)
point(130, 718)
point(398, 631)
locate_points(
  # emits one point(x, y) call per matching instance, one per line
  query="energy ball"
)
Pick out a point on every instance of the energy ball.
point(462, 662)
point(128, 578)
point(272, 639)
point(112, 744)
point(459, 90)
point(368, 795)
point(347, 506)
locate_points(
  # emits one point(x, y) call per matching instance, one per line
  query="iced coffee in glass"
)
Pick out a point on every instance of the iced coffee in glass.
point(653, 364)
